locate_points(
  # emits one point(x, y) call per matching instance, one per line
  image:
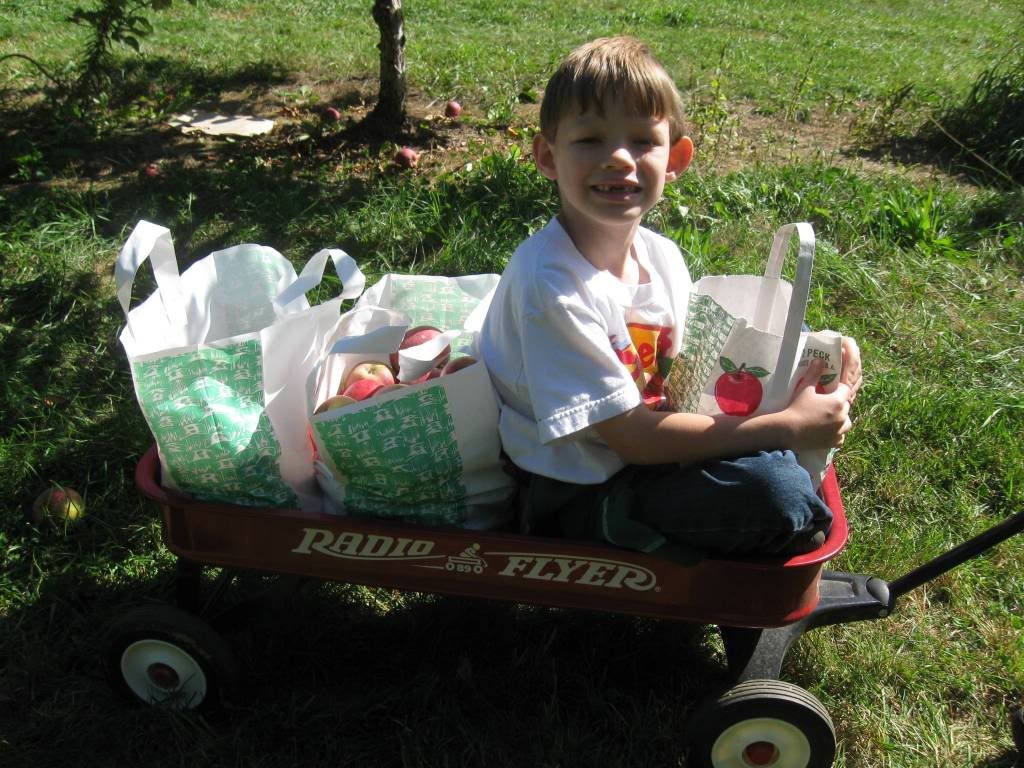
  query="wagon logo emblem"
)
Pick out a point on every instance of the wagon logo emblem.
point(467, 562)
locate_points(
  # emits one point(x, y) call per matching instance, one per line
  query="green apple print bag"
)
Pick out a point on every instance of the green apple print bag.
point(427, 452)
point(222, 357)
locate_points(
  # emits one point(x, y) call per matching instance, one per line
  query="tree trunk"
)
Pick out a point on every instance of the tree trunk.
point(389, 114)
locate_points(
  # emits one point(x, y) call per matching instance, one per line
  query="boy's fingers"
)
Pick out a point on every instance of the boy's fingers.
point(844, 391)
point(814, 370)
point(852, 374)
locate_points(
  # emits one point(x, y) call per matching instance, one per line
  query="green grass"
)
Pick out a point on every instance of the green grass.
point(486, 52)
point(926, 274)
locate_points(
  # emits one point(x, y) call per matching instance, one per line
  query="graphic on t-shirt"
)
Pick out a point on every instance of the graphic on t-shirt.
point(646, 357)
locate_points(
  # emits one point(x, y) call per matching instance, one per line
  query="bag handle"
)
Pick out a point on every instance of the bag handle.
point(153, 242)
point(797, 302)
point(353, 281)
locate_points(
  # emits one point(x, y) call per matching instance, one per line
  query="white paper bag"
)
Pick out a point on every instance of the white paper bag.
point(221, 357)
point(744, 347)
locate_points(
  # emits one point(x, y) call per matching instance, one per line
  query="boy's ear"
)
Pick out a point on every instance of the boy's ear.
point(544, 157)
point(679, 157)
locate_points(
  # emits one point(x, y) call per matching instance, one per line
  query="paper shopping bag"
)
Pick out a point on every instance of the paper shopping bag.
point(425, 452)
point(744, 346)
point(220, 357)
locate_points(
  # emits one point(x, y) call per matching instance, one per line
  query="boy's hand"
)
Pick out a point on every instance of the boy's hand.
point(821, 420)
point(852, 375)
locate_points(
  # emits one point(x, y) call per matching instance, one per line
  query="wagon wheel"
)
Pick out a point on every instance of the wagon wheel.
point(169, 658)
point(766, 723)
point(1017, 729)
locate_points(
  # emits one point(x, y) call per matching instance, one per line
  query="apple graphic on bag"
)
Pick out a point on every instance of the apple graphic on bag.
point(738, 391)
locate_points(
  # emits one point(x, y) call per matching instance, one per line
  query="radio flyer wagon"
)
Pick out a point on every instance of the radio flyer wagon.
point(170, 656)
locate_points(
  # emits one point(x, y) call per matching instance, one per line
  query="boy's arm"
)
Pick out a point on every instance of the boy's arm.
point(811, 420)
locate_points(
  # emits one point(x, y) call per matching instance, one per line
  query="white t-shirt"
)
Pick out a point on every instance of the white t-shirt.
point(569, 346)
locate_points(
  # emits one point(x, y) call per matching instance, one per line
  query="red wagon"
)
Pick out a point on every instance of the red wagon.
point(170, 656)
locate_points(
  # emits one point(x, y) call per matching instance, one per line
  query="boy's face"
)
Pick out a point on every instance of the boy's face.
point(611, 168)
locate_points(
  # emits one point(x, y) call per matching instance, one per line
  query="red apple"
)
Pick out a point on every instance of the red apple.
point(360, 389)
point(151, 170)
point(406, 157)
point(58, 505)
point(738, 391)
point(337, 401)
point(332, 114)
point(420, 335)
point(452, 109)
point(457, 365)
point(372, 370)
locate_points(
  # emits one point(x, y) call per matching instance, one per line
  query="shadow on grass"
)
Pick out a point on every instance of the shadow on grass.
point(126, 129)
point(342, 675)
point(43, 138)
point(1009, 759)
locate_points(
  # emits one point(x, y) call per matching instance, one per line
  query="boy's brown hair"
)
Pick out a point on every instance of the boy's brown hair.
point(605, 69)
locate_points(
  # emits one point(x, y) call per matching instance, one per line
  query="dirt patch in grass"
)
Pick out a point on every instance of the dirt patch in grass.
point(306, 140)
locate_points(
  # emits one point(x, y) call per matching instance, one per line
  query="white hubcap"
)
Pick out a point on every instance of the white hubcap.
point(162, 673)
point(747, 745)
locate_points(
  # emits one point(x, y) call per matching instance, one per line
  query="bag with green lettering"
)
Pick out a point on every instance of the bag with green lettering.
point(745, 345)
point(425, 452)
point(432, 300)
point(222, 357)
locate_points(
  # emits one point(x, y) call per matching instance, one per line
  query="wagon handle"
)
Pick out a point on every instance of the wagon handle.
point(845, 598)
point(954, 557)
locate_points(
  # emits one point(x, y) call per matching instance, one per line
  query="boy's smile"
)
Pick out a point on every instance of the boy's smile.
point(611, 168)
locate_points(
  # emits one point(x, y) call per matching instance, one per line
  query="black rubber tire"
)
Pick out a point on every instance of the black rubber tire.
point(785, 717)
point(197, 664)
point(1017, 729)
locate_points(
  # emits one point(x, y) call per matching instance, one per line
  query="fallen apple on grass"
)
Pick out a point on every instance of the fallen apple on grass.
point(332, 114)
point(406, 157)
point(372, 370)
point(58, 505)
point(452, 109)
point(331, 403)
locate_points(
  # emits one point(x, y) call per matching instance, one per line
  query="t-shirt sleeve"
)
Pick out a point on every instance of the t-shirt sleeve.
point(572, 372)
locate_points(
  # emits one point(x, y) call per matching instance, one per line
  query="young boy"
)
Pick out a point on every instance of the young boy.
point(581, 316)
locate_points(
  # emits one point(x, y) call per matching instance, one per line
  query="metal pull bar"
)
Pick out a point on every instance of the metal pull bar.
point(959, 554)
